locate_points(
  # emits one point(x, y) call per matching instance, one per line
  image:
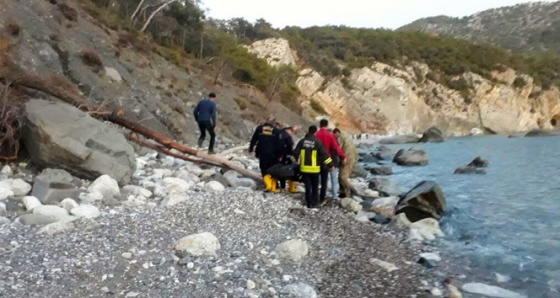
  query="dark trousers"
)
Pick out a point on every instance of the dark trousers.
point(311, 182)
point(207, 126)
point(266, 163)
point(324, 183)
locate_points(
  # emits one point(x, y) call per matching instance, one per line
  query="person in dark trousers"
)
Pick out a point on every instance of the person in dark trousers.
point(287, 145)
point(266, 143)
point(328, 140)
point(205, 116)
point(312, 157)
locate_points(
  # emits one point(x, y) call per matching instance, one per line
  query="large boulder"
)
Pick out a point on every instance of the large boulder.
point(411, 157)
point(432, 134)
point(424, 200)
point(384, 186)
point(60, 135)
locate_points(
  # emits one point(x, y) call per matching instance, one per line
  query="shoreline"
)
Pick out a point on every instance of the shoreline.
point(127, 246)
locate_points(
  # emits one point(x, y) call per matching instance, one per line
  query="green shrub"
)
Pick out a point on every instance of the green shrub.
point(317, 107)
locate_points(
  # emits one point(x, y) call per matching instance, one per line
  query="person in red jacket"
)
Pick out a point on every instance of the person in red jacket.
point(331, 145)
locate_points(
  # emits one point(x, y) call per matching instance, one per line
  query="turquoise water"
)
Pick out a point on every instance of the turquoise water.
point(507, 221)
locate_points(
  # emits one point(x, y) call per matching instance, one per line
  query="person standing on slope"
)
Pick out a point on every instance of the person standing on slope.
point(328, 140)
point(312, 157)
point(205, 116)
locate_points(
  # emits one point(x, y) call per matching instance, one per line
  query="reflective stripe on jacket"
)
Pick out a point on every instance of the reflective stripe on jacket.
point(312, 155)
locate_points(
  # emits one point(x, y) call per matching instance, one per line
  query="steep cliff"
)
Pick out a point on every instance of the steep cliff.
point(398, 100)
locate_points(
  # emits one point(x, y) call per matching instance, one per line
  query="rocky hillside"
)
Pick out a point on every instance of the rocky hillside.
point(118, 68)
point(530, 27)
point(408, 99)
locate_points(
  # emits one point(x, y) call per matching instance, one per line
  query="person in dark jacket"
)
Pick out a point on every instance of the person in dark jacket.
point(287, 144)
point(266, 143)
point(205, 116)
point(312, 157)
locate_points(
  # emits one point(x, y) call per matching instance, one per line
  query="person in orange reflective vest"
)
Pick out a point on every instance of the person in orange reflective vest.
point(312, 156)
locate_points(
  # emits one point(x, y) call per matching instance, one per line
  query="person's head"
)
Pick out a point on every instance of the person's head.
point(212, 96)
point(323, 123)
point(278, 125)
point(336, 132)
point(270, 119)
point(289, 129)
point(312, 130)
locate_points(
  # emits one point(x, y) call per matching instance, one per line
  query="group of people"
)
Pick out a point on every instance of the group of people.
point(323, 155)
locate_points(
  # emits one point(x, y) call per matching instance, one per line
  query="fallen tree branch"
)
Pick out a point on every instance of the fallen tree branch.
point(165, 151)
point(233, 150)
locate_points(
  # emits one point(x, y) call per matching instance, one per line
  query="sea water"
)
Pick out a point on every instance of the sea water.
point(507, 221)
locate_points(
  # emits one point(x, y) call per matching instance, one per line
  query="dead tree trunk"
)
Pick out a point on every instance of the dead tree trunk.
point(154, 13)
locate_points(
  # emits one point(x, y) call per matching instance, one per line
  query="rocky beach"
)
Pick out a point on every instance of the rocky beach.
point(133, 241)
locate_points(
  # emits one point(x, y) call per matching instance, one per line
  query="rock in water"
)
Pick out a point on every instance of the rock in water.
point(424, 200)
point(60, 135)
point(469, 170)
point(490, 291)
point(381, 171)
point(411, 157)
point(432, 134)
point(478, 162)
point(203, 244)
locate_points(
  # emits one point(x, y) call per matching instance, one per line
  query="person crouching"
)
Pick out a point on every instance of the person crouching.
point(312, 155)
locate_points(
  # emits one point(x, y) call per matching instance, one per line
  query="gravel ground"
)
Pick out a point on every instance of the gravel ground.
point(129, 252)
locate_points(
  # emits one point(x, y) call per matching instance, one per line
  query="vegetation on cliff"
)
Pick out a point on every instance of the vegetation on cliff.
point(332, 50)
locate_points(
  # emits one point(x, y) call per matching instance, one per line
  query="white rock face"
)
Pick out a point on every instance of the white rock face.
point(350, 205)
point(137, 191)
point(490, 291)
point(20, 187)
point(86, 211)
point(390, 267)
point(56, 227)
point(400, 221)
point(30, 202)
point(7, 170)
point(176, 185)
point(91, 197)
point(294, 250)
point(203, 244)
point(214, 186)
point(299, 290)
point(428, 228)
point(106, 186)
point(68, 204)
point(276, 51)
point(113, 74)
point(173, 200)
point(54, 212)
point(5, 191)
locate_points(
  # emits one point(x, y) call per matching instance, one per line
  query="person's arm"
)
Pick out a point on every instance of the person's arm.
point(213, 114)
point(255, 138)
point(297, 150)
point(196, 111)
point(337, 149)
point(323, 155)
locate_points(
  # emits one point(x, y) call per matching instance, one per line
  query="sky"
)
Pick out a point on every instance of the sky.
point(389, 14)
